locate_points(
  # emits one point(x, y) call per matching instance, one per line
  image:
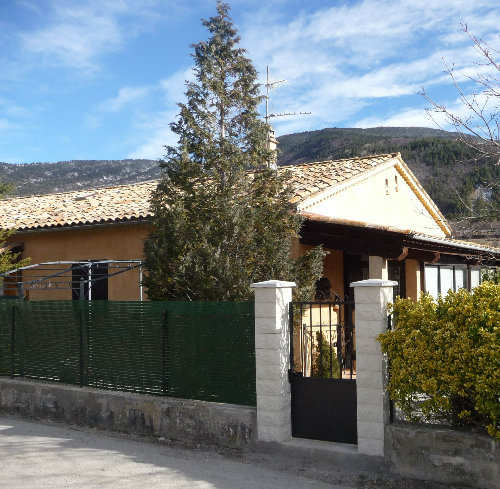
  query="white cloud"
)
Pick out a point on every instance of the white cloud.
point(6, 124)
point(152, 130)
point(156, 134)
point(126, 95)
point(338, 58)
point(404, 118)
point(77, 34)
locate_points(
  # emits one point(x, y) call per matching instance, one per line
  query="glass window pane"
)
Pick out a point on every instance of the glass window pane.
point(460, 278)
point(446, 280)
point(431, 281)
point(474, 278)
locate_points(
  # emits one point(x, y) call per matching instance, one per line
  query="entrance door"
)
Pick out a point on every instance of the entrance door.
point(323, 371)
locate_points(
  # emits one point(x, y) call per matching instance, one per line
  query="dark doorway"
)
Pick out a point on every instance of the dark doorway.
point(355, 269)
point(91, 280)
point(397, 271)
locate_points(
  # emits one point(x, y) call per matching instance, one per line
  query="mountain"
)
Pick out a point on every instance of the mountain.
point(447, 168)
point(42, 178)
point(337, 143)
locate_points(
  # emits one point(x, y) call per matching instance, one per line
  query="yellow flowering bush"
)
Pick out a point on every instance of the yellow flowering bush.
point(444, 358)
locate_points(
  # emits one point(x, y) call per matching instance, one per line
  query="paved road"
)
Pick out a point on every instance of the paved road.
point(35, 455)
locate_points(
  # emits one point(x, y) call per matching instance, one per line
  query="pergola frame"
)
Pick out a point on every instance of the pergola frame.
point(55, 278)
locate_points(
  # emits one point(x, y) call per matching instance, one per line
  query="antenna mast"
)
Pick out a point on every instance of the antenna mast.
point(269, 86)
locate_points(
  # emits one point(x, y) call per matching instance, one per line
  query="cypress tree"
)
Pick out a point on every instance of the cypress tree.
point(222, 216)
point(326, 363)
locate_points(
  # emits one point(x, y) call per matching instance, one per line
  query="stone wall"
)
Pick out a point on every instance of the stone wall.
point(443, 455)
point(178, 419)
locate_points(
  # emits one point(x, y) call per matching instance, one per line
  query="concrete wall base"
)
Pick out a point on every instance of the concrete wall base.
point(201, 422)
point(323, 455)
point(443, 455)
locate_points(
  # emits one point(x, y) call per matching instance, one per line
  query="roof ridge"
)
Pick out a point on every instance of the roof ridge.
point(356, 158)
point(83, 190)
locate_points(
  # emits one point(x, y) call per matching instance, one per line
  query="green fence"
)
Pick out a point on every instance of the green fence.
point(193, 350)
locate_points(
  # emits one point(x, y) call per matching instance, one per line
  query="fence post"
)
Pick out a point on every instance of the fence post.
point(164, 333)
point(82, 321)
point(272, 359)
point(371, 298)
point(12, 342)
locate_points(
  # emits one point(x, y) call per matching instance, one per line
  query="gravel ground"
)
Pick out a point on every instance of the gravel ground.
point(40, 455)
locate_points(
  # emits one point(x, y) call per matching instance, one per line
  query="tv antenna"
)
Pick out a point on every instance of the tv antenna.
point(269, 86)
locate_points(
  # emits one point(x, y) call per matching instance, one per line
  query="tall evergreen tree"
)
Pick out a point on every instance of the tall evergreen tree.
point(222, 216)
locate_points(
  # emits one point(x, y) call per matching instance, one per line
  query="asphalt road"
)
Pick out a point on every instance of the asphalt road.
point(37, 455)
point(34, 455)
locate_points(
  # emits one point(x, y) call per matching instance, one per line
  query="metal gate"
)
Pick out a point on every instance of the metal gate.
point(323, 371)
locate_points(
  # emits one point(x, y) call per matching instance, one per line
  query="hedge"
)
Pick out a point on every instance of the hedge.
point(444, 358)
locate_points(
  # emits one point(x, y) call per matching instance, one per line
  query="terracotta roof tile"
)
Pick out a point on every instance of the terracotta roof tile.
point(100, 205)
point(131, 202)
point(310, 178)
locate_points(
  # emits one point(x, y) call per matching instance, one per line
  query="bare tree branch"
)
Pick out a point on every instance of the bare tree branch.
point(479, 127)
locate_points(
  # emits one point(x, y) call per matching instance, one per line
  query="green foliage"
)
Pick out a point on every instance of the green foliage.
point(222, 217)
point(325, 363)
point(5, 189)
point(8, 259)
point(490, 275)
point(445, 356)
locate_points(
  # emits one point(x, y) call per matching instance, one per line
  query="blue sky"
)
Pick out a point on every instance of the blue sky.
point(99, 79)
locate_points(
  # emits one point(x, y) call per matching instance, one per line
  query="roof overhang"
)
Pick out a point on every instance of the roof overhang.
point(392, 243)
point(83, 226)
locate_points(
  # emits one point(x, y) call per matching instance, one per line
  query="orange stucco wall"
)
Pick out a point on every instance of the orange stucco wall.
point(117, 242)
point(333, 265)
point(413, 279)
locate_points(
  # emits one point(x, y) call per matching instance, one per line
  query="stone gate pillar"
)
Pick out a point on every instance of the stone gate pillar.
point(371, 298)
point(272, 359)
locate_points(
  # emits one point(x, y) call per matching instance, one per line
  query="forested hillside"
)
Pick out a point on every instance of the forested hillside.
point(42, 178)
point(445, 166)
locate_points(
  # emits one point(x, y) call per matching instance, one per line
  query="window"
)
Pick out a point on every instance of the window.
point(431, 281)
point(439, 279)
point(475, 278)
point(460, 278)
point(91, 280)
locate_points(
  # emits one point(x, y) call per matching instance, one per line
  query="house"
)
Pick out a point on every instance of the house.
point(370, 213)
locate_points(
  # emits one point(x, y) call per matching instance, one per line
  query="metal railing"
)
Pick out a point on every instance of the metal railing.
point(322, 339)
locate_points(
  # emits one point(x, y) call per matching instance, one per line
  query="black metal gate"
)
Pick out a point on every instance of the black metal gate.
point(323, 371)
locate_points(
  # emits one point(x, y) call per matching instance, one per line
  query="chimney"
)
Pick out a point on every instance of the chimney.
point(272, 146)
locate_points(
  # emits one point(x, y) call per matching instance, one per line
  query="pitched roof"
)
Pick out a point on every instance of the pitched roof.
point(100, 205)
point(131, 202)
point(308, 179)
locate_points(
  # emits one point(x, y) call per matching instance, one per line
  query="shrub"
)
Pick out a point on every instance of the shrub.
point(445, 358)
point(325, 363)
